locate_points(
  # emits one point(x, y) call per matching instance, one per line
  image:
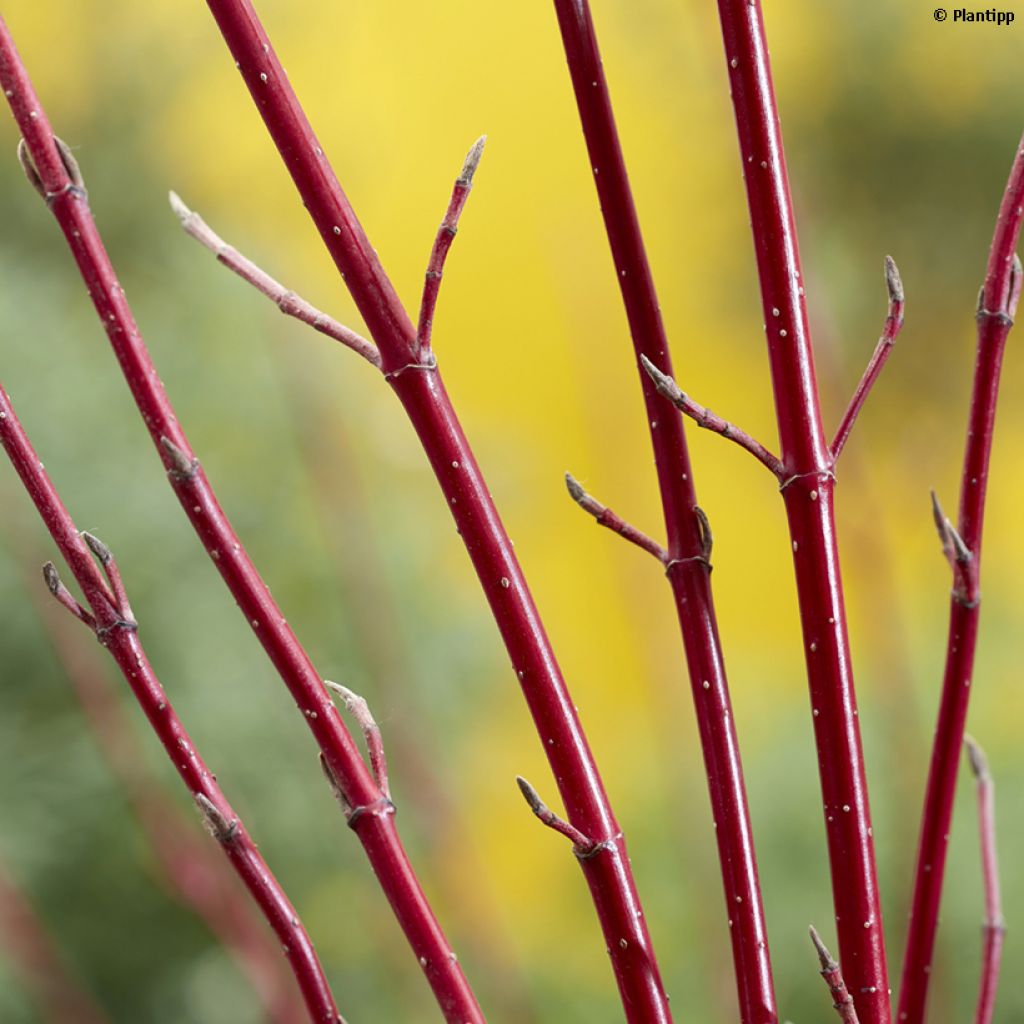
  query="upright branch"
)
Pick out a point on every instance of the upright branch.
point(808, 493)
point(61, 184)
point(994, 927)
point(116, 629)
point(416, 380)
point(892, 328)
point(842, 1001)
point(442, 243)
point(997, 307)
point(687, 552)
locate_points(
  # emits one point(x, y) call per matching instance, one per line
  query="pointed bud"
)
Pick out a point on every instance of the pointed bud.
point(977, 759)
point(222, 828)
point(97, 547)
point(575, 490)
point(472, 162)
point(828, 962)
point(52, 577)
point(893, 281)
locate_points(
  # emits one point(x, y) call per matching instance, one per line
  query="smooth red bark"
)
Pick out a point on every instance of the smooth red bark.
point(808, 494)
point(998, 303)
point(686, 555)
point(414, 376)
point(118, 633)
point(376, 830)
point(192, 871)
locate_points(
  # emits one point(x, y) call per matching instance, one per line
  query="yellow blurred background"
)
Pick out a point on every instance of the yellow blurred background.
point(900, 133)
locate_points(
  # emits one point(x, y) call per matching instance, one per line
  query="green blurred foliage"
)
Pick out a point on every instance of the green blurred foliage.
point(899, 132)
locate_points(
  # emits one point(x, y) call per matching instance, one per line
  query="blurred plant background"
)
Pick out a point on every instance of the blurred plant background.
point(900, 133)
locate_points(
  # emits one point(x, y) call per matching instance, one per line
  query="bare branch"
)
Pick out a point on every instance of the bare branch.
point(892, 328)
point(64, 596)
point(582, 846)
point(287, 301)
point(443, 242)
point(841, 998)
point(605, 517)
point(994, 926)
point(708, 420)
point(357, 707)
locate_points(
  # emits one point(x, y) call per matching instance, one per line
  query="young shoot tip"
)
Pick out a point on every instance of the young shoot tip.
point(472, 161)
point(574, 488)
point(976, 758)
point(893, 281)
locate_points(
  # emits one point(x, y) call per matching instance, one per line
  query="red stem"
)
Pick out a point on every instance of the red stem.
point(808, 495)
point(687, 545)
point(417, 382)
point(119, 635)
point(195, 873)
point(32, 951)
point(994, 928)
point(376, 830)
point(998, 304)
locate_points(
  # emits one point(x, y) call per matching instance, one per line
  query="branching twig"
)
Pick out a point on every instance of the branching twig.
point(117, 632)
point(893, 325)
point(605, 517)
point(842, 1001)
point(376, 832)
point(688, 535)
point(705, 418)
point(997, 307)
point(357, 707)
point(443, 242)
point(194, 873)
point(582, 846)
point(994, 927)
point(287, 301)
point(418, 384)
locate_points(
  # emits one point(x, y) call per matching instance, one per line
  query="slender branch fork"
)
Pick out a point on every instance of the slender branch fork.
point(193, 871)
point(55, 175)
point(110, 618)
point(688, 552)
point(994, 927)
point(409, 365)
point(997, 307)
